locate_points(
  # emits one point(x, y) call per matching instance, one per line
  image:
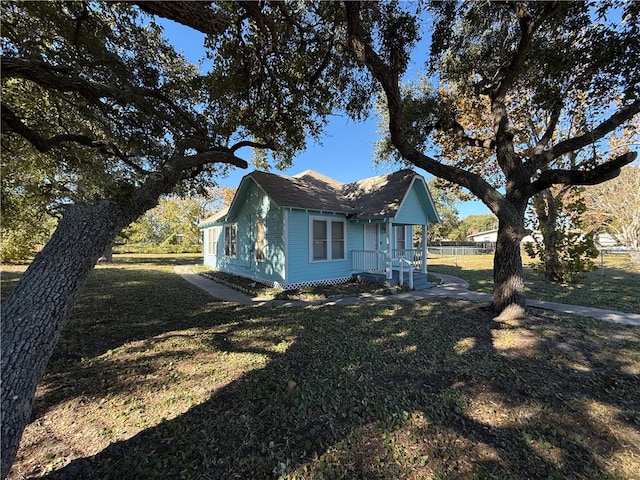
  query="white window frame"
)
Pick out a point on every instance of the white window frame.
point(231, 241)
point(328, 239)
point(212, 240)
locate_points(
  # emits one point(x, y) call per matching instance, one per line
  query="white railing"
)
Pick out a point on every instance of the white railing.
point(372, 261)
point(414, 255)
point(402, 263)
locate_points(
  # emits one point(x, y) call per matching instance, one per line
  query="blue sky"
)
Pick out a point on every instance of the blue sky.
point(346, 149)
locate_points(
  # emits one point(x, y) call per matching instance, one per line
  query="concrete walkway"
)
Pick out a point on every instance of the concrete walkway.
point(452, 287)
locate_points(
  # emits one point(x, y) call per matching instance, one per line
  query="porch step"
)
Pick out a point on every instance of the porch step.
point(422, 283)
point(419, 279)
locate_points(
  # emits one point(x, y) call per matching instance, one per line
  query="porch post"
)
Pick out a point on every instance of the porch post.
point(423, 266)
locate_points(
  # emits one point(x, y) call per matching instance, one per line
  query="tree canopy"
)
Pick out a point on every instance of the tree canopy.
point(548, 58)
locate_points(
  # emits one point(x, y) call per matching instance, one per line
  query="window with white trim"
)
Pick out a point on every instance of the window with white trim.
point(212, 233)
point(327, 239)
point(230, 240)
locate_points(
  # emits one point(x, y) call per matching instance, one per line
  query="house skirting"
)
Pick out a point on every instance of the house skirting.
point(291, 286)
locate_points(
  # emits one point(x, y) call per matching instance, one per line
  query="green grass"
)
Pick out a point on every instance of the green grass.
point(615, 286)
point(154, 379)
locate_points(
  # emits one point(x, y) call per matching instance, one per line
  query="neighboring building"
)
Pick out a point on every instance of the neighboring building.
point(309, 229)
point(604, 240)
point(486, 236)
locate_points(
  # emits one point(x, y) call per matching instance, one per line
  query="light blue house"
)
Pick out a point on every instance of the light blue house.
point(308, 229)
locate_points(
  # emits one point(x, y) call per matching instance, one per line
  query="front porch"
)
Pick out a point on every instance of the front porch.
point(406, 266)
point(420, 281)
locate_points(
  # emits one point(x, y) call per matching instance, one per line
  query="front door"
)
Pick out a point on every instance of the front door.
point(374, 261)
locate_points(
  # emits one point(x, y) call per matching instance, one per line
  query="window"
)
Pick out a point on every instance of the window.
point(401, 243)
point(230, 240)
point(212, 233)
point(319, 240)
point(260, 240)
point(327, 239)
point(337, 240)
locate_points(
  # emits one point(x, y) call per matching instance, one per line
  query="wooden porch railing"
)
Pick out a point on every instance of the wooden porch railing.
point(413, 255)
point(372, 261)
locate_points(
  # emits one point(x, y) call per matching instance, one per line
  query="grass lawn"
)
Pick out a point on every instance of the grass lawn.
point(155, 379)
point(616, 286)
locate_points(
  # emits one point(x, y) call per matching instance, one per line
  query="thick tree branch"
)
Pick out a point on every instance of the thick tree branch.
point(389, 81)
point(248, 143)
point(197, 15)
point(11, 123)
point(623, 115)
point(176, 169)
point(62, 79)
point(598, 174)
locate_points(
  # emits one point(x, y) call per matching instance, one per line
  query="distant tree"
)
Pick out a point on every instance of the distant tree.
point(565, 248)
point(547, 57)
point(176, 215)
point(614, 207)
point(474, 224)
point(445, 202)
point(171, 217)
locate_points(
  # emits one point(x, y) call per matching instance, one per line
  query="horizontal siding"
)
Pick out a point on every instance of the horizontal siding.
point(271, 271)
point(299, 268)
point(416, 207)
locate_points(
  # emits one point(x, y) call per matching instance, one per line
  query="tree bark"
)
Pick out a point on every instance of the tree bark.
point(508, 276)
point(37, 309)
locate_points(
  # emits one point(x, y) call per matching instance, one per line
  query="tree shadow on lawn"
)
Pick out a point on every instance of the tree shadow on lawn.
point(120, 307)
point(398, 389)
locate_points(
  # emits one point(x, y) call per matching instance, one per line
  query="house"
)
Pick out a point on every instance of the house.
point(308, 229)
point(603, 240)
point(486, 236)
point(491, 236)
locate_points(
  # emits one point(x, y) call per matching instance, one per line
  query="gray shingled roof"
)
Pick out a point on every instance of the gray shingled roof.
point(381, 196)
point(375, 197)
point(308, 190)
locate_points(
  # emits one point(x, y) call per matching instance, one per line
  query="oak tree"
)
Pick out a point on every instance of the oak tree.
point(564, 53)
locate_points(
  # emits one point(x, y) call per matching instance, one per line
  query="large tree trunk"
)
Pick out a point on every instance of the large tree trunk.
point(37, 309)
point(508, 277)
